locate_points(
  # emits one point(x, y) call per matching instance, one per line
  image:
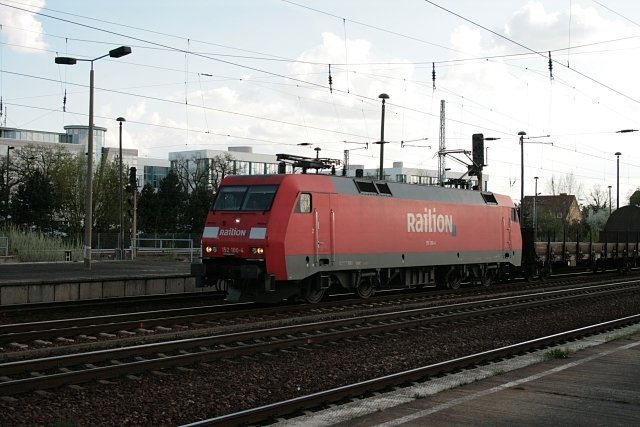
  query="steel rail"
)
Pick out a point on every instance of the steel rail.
point(27, 331)
point(249, 342)
point(30, 331)
point(279, 409)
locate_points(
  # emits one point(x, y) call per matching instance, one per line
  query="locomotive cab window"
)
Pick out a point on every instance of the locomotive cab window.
point(514, 215)
point(229, 198)
point(259, 198)
point(245, 198)
point(304, 203)
point(489, 198)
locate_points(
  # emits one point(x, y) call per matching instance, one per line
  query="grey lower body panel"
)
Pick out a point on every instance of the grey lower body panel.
point(299, 268)
point(245, 281)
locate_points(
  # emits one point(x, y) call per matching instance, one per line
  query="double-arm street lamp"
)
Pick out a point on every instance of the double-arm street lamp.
point(120, 172)
point(535, 202)
point(618, 154)
point(9, 147)
point(88, 217)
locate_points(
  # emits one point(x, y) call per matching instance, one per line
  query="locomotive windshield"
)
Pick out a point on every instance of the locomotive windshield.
point(244, 198)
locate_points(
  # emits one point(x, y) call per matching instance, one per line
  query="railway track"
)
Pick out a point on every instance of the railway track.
point(323, 399)
point(20, 376)
point(24, 334)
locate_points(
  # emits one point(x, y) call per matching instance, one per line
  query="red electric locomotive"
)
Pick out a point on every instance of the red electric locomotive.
point(274, 237)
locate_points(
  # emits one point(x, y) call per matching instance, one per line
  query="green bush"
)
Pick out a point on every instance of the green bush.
point(36, 246)
point(557, 353)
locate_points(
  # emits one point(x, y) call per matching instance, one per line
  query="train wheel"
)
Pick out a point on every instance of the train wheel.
point(487, 279)
point(366, 287)
point(312, 293)
point(453, 278)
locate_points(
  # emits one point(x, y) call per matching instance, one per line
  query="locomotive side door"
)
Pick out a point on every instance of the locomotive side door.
point(506, 235)
point(323, 230)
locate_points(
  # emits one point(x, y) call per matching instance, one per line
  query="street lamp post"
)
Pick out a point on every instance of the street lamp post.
point(522, 134)
point(535, 203)
point(121, 234)
point(609, 200)
point(618, 154)
point(88, 217)
point(9, 147)
point(384, 97)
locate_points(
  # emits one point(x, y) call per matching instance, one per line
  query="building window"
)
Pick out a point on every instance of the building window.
point(401, 178)
point(271, 168)
point(257, 168)
point(154, 174)
point(241, 168)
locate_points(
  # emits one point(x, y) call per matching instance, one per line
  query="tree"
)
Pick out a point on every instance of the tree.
point(565, 184)
point(221, 166)
point(33, 204)
point(171, 204)
point(195, 172)
point(148, 208)
point(71, 183)
point(199, 203)
point(634, 199)
point(596, 210)
point(199, 178)
point(67, 174)
point(106, 196)
point(597, 198)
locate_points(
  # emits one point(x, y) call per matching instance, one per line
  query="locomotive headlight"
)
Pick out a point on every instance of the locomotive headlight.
point(210, 249)
point(257, 251)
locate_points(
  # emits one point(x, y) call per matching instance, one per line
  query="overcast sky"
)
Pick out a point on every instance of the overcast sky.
point(212, 74)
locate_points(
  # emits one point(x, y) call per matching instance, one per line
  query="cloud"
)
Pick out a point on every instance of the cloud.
point(537, 28)
point(25, 32)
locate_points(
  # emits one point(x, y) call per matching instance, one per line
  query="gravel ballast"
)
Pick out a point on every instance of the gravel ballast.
point(179, 397)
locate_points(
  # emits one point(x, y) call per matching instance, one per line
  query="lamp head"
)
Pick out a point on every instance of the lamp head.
point(522, 133)
point(120, 51)
point(65, 60)
point(383, 96)
point(618, 153)
point(121, 119)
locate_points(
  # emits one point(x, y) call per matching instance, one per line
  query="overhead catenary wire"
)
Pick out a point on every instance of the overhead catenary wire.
point(239, 65)
point(350, 134)
point(398, 106)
